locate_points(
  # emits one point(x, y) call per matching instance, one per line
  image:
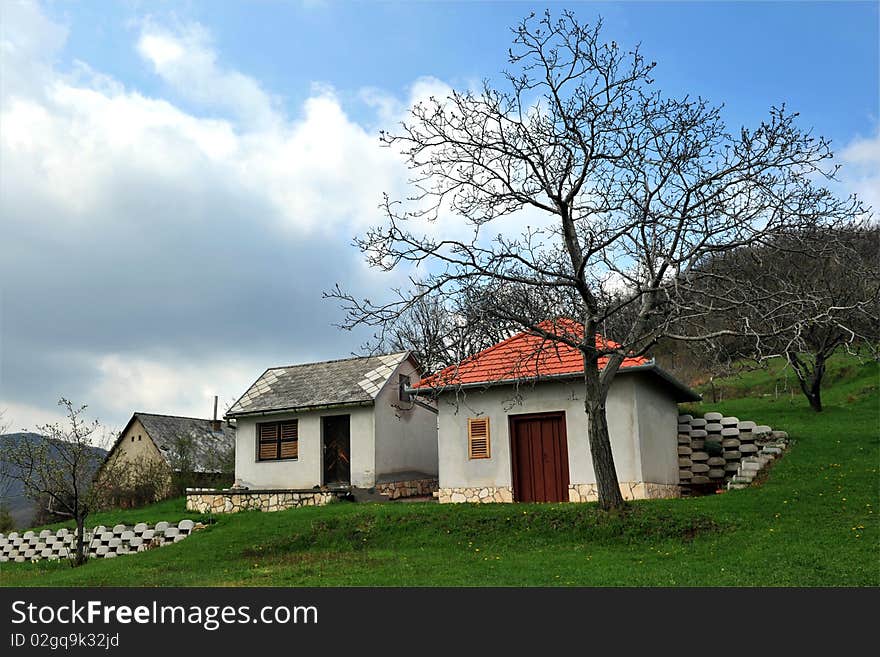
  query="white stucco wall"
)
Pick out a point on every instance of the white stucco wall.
point(406, 434)
point(629, 410)
point(657, 435)
point(307, 470)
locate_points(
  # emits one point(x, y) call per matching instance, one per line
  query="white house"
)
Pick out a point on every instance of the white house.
point(512, 426)
point(335, 424)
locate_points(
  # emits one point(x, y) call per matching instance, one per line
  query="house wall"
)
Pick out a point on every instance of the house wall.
point(134, 460)
point(456, 470)
point(307, 470)
point(637, 415)
point(657, 434)
point(406, 434)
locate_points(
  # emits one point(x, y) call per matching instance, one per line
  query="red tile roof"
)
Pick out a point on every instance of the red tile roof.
point(523, 356)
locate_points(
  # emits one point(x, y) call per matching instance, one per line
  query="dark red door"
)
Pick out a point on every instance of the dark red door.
point(539, 451)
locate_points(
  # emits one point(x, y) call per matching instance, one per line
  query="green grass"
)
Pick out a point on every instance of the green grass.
point(813, 522)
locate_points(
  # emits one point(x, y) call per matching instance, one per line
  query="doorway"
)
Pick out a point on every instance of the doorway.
point(335, 430)
point(539, 456)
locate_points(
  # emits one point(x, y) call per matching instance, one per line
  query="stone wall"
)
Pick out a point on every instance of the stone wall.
point(100, 542)
point(715, 451)
point(208, 500)
point(480, 494)
point(630, 490)
point(408, 488)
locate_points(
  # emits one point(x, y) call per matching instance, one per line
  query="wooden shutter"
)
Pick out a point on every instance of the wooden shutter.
point(268, 442)
point(289, 439)
point(478, 438)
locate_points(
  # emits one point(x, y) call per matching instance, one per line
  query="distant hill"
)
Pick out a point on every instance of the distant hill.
point(20, 506)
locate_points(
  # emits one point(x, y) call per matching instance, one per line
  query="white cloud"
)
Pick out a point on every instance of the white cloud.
point(185, 58)
point(128, 383)
point(860, 171)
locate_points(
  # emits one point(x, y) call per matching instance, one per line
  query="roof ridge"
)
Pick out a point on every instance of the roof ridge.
point(334, 360)
point(179, 417)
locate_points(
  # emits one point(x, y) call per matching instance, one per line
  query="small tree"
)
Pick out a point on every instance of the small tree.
point(631, 190)
point(59, 469)
point(807, 295)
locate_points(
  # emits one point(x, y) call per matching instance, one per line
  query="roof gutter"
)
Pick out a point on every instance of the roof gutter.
point(686, 394)
point(297, 409)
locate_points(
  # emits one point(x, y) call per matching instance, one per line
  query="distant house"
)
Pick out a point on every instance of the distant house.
point(200, 449)
point(512, 425)
point(335, 424)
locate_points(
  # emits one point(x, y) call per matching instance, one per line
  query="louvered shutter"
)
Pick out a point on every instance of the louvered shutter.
point(478, 438)
point(268, 441)
point(289, 439)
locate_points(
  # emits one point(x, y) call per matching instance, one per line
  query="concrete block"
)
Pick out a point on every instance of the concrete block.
point(716, 473)
point(698, 423)
point(683, 439)
point(700, 479)
point(45, 533)
point(714, 427)
point(699, 456)
point(684, 428)
point(161, 526)
point(731, 466)
point(729, 432)
point(171, 532)
point(118, 529)
point(685, 419)
point(748, 449)
point(699, 468)
point(697, 444)
point(699, 433)
point(685, 474)
point(683, 450)
point(714, 461)
point(684, 462)
point(779, 435)
point(729, 421)
point(731, 443)
point(713, 417)
point(747, 425)
point(140, 528)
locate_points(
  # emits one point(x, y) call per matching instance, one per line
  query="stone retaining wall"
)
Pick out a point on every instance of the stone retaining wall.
point(100, 542)
point(631, 490)
point(478, 494)
point(208, 500)
point(408, 488)
point(717, 451)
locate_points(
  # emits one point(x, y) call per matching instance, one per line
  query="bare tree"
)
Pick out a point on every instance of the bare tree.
point(804, 307)
point(630, 190)
point(60, 467)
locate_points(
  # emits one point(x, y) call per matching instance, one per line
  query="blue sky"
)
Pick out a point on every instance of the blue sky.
point(181, 180)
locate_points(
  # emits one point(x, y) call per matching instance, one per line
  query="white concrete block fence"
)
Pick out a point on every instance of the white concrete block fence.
point(101, 542)
point(715, 451)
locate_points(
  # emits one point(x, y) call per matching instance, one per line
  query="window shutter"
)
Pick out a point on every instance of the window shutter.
point(290, 439)
point(268, 441)
point(478, 438)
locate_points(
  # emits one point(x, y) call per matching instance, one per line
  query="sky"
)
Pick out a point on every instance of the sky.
point(180, 182)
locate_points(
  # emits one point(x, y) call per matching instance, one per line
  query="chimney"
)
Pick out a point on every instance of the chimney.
point(215, 423)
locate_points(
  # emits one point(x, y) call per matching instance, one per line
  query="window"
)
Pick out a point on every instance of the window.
point(478, 438)
point(132, 439)
point(278, 440)
point(402, 385)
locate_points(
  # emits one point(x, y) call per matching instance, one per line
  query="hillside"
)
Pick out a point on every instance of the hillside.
point(21, 508)
point(812, 523)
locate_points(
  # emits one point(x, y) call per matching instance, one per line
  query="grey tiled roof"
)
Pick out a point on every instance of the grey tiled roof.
point(208, 448)
point(333, 382)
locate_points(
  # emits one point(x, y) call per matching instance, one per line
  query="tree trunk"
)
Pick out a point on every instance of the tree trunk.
point(600, 441)
point(810, 382)
point(80, 557)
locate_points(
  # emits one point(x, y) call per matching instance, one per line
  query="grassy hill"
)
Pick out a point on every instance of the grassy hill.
point(814, 522)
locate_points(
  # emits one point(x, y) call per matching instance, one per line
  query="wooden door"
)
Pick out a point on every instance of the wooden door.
point(539, 454)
